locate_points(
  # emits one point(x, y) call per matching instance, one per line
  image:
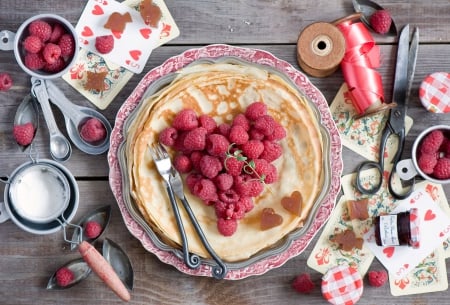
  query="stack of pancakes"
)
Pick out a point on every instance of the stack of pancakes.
point(223, 90)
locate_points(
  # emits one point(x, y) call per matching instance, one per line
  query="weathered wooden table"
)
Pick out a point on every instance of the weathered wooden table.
point(27, 260)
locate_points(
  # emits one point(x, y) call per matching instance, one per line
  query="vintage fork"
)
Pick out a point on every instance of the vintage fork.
point(164, 167)
point(220, 270)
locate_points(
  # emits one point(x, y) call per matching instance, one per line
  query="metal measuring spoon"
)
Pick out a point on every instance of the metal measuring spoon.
point(75, 117)
point(27, 112)
point(367, 8)
point(60, 148)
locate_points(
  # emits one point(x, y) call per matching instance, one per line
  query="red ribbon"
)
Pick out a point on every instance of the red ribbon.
point(361, 57)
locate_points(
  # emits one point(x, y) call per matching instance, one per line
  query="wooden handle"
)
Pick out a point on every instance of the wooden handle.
point(104, 270)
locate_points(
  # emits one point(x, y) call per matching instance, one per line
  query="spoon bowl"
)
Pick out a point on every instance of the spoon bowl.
point(27, 112)
point(80, 270)
point(367, 8)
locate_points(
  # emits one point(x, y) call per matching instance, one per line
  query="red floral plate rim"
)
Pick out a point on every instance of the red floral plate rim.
point(254, 56)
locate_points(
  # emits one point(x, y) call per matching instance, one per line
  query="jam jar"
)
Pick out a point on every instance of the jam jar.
point(398, 229)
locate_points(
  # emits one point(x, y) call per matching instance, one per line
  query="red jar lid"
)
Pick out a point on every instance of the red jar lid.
point(434, 92)
point(342, 285)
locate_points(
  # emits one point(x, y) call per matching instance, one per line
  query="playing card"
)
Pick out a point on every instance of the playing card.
point(132, 46)
point(169, 29)
point(326, 254)
point(361, 135)
point(115, 80)
point(430, 275)
point(434, 229)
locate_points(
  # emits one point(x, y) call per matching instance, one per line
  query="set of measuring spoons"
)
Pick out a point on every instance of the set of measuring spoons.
point(45, 91)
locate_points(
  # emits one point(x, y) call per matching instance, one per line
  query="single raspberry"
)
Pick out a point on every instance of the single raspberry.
point(227, 227)
point(207, 122)
point(57, 33)
point(272, 151)
point(51, 53)
point(381, 21)
point(104, 44)
point(6, 82)
point(67, 45)
point(221, 209)
point(92, 229)
point(224, 129)
point(223, 181)
point(191, 179)
point(34, 61)
point(24, 133)
point(195, 157)
point(427, 162)
point(377, 278)
point(265, 124)
point(255, 110)
point(228, 196)
point(241, 120)
point(233, 166)
point(235, 211)
point(93, 130)
point(55, 67)
point(168, 136)
point(195, 139)
point(64, 276)
point(41, 29)
point(32, 44)
point(205, 190)
point(216, 144)
point(252, 149)
point(279, 133)
point(246, 186)
point(182, 163)
point(256, 134)
point(442, 168)
point(432, 142)
point(303, 283)
point(186, 119)
point(238, 135)
point(179, 141)
point(247, 203)
point(271, 174)
point(261, 167)
point(210, 166)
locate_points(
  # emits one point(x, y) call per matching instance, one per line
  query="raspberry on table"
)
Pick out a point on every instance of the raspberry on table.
point(303, 283)
point(6, 82)
point(24, 133)
point(442, 168)
point(255, 110)
point(104, 44)
point(32, 44)
point(41, 29)
point(92, 229)
point(227, 227)
point(210, 166)
point(381, 21)
point(186, 119)
point(64, 276)
point(377, 278)
point(195, 139)
point(67, 45)
point(51, 53)
point(432, 142)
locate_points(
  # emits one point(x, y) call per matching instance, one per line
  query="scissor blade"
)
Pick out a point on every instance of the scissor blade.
point(402, 81)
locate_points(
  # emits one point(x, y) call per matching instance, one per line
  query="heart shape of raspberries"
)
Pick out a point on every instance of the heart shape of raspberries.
point(228, 164)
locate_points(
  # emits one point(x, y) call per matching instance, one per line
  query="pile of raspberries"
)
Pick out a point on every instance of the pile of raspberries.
point(227, 164)
point(433, 154)
point(47, 47)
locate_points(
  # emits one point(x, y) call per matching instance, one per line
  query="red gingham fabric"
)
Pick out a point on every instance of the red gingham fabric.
point(434, 92)
point(342, 285)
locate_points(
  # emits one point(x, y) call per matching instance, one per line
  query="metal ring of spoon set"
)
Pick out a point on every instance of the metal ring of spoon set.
point(42, 196)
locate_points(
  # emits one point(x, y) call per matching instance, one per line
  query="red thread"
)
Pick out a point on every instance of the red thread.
point(362, 57)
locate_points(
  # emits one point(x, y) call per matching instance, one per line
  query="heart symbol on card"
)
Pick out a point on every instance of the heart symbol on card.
point(293, 203)
point(389, 251)
point(97, 10)
point(117, 34)
point(412, 201)
point(145, 32)
point(406, 266)
point(429, 215)
point(87, 32)
point(135, 54)
point(412, 217)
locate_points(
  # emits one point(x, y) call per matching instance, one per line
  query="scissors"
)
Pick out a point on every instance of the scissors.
point(395, 125)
